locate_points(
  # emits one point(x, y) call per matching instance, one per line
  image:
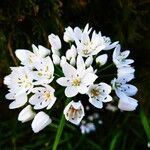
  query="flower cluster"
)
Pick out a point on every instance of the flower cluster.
point(31, 85)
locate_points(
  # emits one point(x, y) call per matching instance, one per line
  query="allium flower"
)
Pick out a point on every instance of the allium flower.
point(56, 59)
point(55, 43)
point(120, 58)
point(40, 121)
point(125, 72)
point(44, 71)
point(43, 97)
point(102, 59)
point(74, 112)
point(72, 52)
point(89, 61)
point(124, 91)
point(76, 80)
point(20, 80)
point(19, 99)
point(28, 58)
point(99, 93)
point(71, 35)
point(127, 103)
point(107, 42)
point(88, 47)
point(92, 46)
point(32, 84)
point(26, 114)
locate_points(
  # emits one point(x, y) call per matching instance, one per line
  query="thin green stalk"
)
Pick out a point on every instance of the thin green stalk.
point(59, 131)
point(106, 67)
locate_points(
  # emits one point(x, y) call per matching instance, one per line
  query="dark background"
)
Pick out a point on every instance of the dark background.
point(31, 21)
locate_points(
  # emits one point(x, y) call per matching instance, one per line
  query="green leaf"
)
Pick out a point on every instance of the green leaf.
point(114, 141)
point(145, 123)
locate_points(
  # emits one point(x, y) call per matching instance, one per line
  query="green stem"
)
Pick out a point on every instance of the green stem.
point(59, 130)
point(106, 67)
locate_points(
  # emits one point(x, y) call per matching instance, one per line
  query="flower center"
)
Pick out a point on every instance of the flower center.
point(47, 95)
point(74, 113)
point(24, 82)
point(76, 82)
point(94, 92)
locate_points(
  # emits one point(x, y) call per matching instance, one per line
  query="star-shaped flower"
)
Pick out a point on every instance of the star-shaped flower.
point(43, 97)
point(44, 71)
point(28, 58)
point(124, 91)
point(120, 58)
point(76, 80)
point(99, 93)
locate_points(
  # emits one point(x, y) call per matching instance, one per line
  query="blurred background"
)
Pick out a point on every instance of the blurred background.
point(31, 21)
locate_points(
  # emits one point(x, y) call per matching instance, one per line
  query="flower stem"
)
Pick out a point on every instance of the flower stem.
point(112, 64)
point(59, 130)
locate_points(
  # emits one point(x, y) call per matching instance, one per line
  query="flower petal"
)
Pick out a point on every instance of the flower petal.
point(128, 105)
point(89, 78)
point(82, 89)
point(19, 101)
point(71, 91)
point(63, 81)
point(96, 102)
point(40, 121)
point(68, 70)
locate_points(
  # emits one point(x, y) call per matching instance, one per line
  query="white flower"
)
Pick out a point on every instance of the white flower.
point(26, 114)
point(76, 80)
point(120, 85)
point(71, 53)
point(19, 99)
point(120, 58)
point(126, 103)
point(41, 120)
point(45, 71)
point(75, 34)
point(87, 47)
point(92, 46)
point(63, 60)
point(55, 43)
point(56, 59)
point(124, 91)
point(74, 112)
point(125, 71)
point(20, 80)
point(107, 42)
point(43, 97)
point(29, 58)
point(89, 61)
point(99, 93)
point(102, 59)
point(73, 61)
point(87, 127)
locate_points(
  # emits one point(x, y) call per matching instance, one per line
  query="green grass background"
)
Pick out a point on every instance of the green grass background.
point(31, 21)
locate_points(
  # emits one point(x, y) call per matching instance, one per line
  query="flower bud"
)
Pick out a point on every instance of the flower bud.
point(26, 114)
point(40, 121)
point(55, 42)
point(102, 59)
point(56, 59)
point(89, 61)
